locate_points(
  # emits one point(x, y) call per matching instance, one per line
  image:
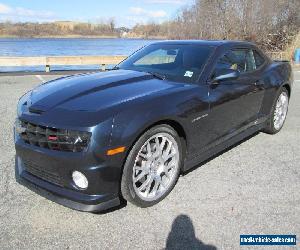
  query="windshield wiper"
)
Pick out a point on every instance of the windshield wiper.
point(115, 68)
point(157, 75)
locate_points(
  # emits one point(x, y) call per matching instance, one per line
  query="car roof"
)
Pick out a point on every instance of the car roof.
point(215, 43)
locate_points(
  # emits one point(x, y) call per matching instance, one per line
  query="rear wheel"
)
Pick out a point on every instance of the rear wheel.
point(278, 112)
point(152, 166)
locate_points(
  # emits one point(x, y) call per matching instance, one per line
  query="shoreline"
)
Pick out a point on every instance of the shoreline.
point(83, 37)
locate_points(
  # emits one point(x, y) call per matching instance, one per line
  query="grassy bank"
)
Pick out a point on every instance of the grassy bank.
point(85, 36)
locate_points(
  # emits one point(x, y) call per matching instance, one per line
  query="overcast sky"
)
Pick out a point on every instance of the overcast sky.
point(126, 12)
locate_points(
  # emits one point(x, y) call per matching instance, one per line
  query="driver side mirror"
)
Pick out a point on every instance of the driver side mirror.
point(225, 75)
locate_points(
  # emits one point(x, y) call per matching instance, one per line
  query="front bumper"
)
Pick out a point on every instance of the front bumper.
point(49, 173)
point(61, 195)
point(71, 199)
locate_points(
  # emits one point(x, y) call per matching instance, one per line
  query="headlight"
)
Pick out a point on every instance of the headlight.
point(19, 128)
point(80, 180)
point(77, 140)
point(22, 103)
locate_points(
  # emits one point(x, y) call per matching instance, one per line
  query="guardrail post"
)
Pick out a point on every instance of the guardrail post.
point(103, 67)
point(47, 69)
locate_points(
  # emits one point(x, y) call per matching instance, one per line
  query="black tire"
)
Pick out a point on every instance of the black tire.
point(270, 129)
point(127, 189)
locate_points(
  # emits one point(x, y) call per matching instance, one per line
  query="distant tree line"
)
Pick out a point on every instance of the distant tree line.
point(270, 23)
point(59, 28)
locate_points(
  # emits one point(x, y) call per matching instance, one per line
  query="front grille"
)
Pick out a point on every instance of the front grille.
point(53, 138)
point(43, 174)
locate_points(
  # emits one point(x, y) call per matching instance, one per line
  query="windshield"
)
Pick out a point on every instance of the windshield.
point(176, 62)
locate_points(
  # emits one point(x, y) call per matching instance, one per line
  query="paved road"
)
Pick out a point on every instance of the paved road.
point(250, 189)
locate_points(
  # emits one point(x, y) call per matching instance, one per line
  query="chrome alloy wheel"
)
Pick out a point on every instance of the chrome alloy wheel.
point(281, 110)
point(155, 167)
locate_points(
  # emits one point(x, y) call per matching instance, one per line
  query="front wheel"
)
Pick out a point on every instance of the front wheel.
point(152, 166)
point(278, 113)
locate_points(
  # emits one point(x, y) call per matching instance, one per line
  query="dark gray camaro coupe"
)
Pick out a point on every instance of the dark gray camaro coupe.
point(89, 141)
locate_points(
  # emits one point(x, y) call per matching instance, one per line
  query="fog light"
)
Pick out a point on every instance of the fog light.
point(80, 180)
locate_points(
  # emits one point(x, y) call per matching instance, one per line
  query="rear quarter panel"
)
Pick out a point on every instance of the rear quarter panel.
point(276, 75)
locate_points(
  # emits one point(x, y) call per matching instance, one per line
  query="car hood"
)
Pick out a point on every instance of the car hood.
point(96, 91)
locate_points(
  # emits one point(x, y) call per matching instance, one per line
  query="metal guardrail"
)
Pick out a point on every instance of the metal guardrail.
point(100, 60)
point(49, 61)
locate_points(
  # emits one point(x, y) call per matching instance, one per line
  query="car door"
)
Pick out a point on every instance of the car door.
point(234, 104)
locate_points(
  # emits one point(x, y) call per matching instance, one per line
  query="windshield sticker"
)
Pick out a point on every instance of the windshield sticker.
point(188, 73)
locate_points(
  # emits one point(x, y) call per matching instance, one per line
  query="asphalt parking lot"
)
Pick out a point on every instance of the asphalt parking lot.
point(251, 189)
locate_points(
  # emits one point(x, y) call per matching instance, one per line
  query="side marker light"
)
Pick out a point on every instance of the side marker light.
point(115, 151)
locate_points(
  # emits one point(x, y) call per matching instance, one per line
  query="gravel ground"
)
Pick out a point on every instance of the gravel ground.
point(251, 189)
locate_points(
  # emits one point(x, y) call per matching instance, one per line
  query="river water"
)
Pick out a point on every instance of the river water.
point(64, 47)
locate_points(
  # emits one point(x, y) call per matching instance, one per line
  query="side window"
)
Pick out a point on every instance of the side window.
point(259, 60)
point(239, 58)
point(160, 56)
point(242, 60)
point(233, 59)
point(250, 61)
